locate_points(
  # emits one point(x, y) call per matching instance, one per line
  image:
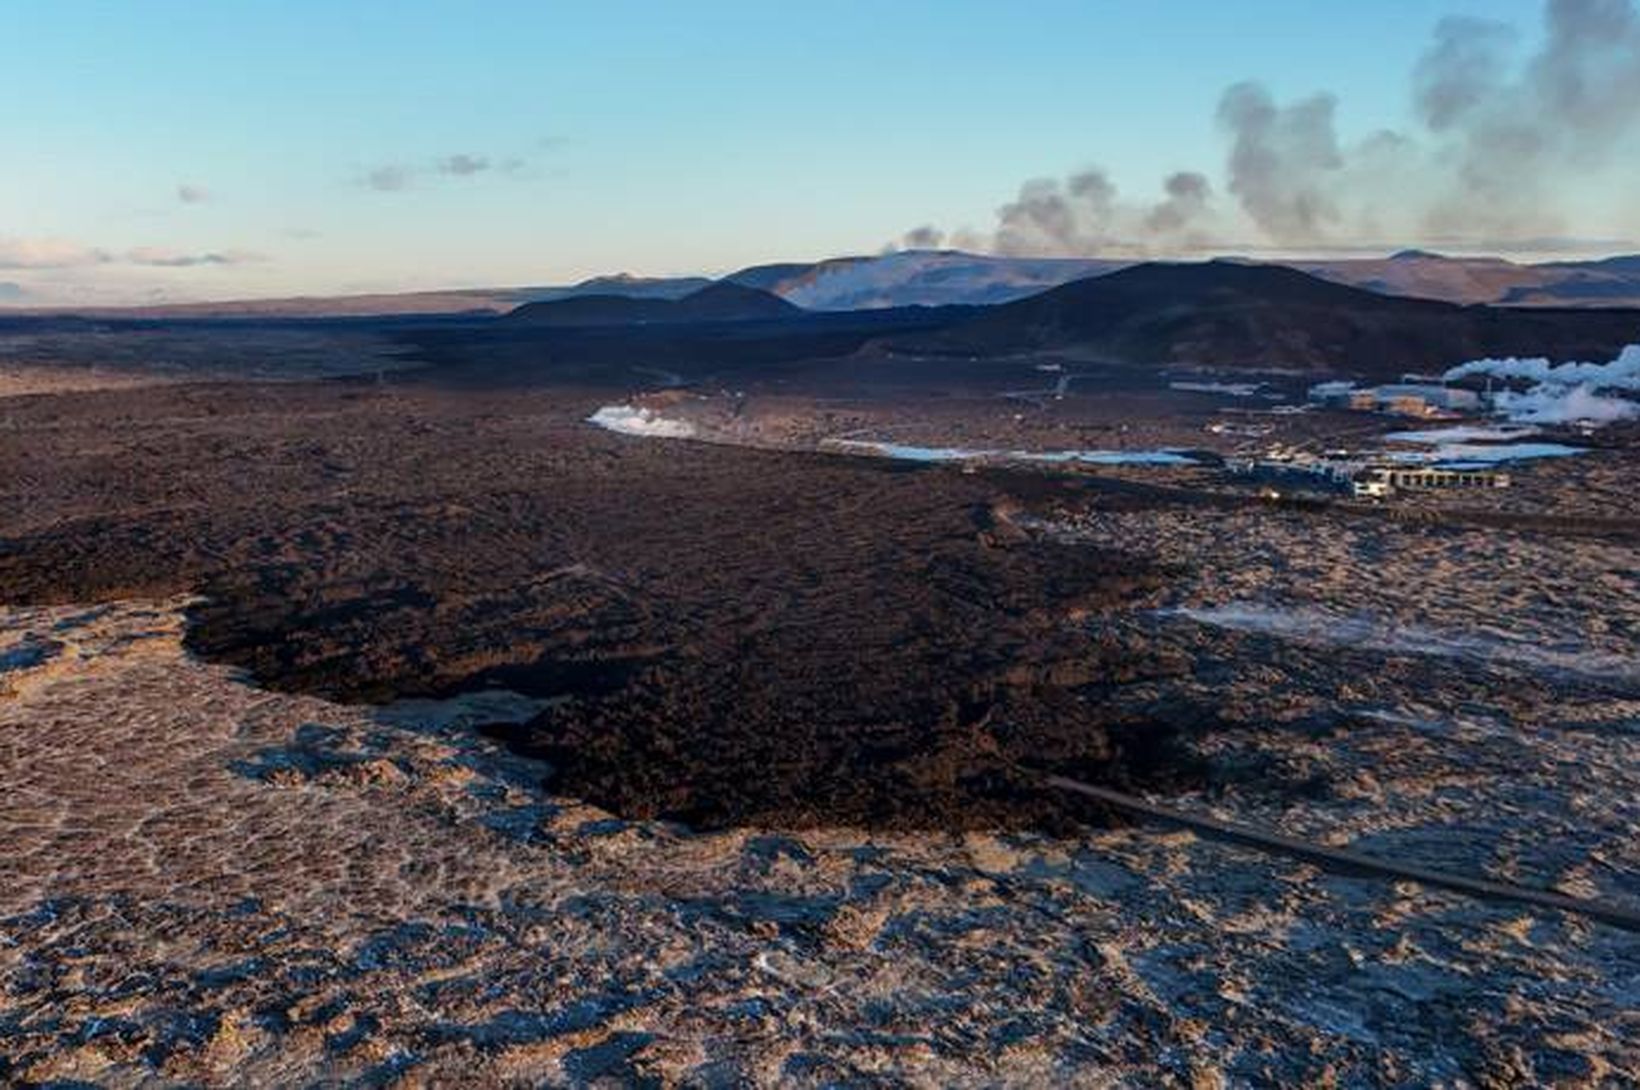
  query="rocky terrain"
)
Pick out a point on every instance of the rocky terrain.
point(407, 729)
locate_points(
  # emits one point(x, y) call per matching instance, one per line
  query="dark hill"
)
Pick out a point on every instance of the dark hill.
point(1228, 314)
point(728, 301)
point(592, 310)
point(717, 302)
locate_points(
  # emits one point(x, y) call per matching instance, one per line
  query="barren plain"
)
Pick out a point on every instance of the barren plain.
point(406, 729)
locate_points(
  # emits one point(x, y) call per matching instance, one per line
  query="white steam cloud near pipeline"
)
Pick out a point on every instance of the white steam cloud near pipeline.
point(1565, 393)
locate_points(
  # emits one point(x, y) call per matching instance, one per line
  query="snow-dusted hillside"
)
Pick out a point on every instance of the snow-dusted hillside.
point(919, 278)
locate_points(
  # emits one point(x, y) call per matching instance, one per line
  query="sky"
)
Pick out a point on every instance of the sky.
point(158, 150)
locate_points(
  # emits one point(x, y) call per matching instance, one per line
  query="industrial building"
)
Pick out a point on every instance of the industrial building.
point(1425, 477)
point(1362, 479)
point(1421, 400)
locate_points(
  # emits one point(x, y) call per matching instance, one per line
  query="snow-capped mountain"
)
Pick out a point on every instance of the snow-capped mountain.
point(918, 278)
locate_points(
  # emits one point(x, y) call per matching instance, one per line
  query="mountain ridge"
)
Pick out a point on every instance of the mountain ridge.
point(951, 277)
point(1234, 315)
point(720, 301)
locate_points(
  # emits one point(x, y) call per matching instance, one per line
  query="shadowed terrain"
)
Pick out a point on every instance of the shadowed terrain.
point(1234, 315)
point(745, 637)
point(340, 719)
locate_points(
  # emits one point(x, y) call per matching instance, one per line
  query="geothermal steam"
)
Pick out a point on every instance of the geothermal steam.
point(1563, 394)
point(1497, 139)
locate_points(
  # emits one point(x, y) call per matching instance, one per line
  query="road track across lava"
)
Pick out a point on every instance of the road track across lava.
point(1344, 859)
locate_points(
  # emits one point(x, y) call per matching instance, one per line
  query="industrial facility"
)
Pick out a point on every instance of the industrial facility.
point(1360, 479)
point(1421, 400)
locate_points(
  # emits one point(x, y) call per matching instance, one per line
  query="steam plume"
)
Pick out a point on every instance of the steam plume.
point(1084, 215)
point(1566, 392)
point(1497, 141)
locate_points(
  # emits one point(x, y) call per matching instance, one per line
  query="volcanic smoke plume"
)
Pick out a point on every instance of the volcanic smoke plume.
point(1497, 142)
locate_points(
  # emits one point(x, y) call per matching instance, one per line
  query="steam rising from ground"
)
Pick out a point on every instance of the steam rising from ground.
point(1497, 139)
point(630, 420)
point(1566, 393)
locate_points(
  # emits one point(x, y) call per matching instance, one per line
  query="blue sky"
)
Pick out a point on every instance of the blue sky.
point(164, 149)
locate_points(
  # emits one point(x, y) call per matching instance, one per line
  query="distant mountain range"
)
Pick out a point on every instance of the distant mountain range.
point(720, 301)
point(384, 304)
point(1610, 282)
point(944, 277)
point(1233, 314)
point(935, 278)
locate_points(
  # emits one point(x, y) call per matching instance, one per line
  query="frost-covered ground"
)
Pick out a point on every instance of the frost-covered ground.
point(205, 883)
point(1445, 696)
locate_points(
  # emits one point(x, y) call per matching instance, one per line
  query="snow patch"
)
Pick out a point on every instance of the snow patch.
point(933, 278)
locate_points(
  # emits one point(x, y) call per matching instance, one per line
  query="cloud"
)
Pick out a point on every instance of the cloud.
point(47, 253)
point(10, 290)
point(389, 178)
point(462, 165)
point(398, 177)
point(193, 194)
point(51, 253)
point(158, 257)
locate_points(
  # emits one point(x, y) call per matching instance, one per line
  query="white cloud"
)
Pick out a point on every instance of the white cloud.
point(47, 253)
point(398, 177)
point(159, 257)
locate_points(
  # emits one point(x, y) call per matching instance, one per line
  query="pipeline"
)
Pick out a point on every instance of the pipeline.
point(1343, 859)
